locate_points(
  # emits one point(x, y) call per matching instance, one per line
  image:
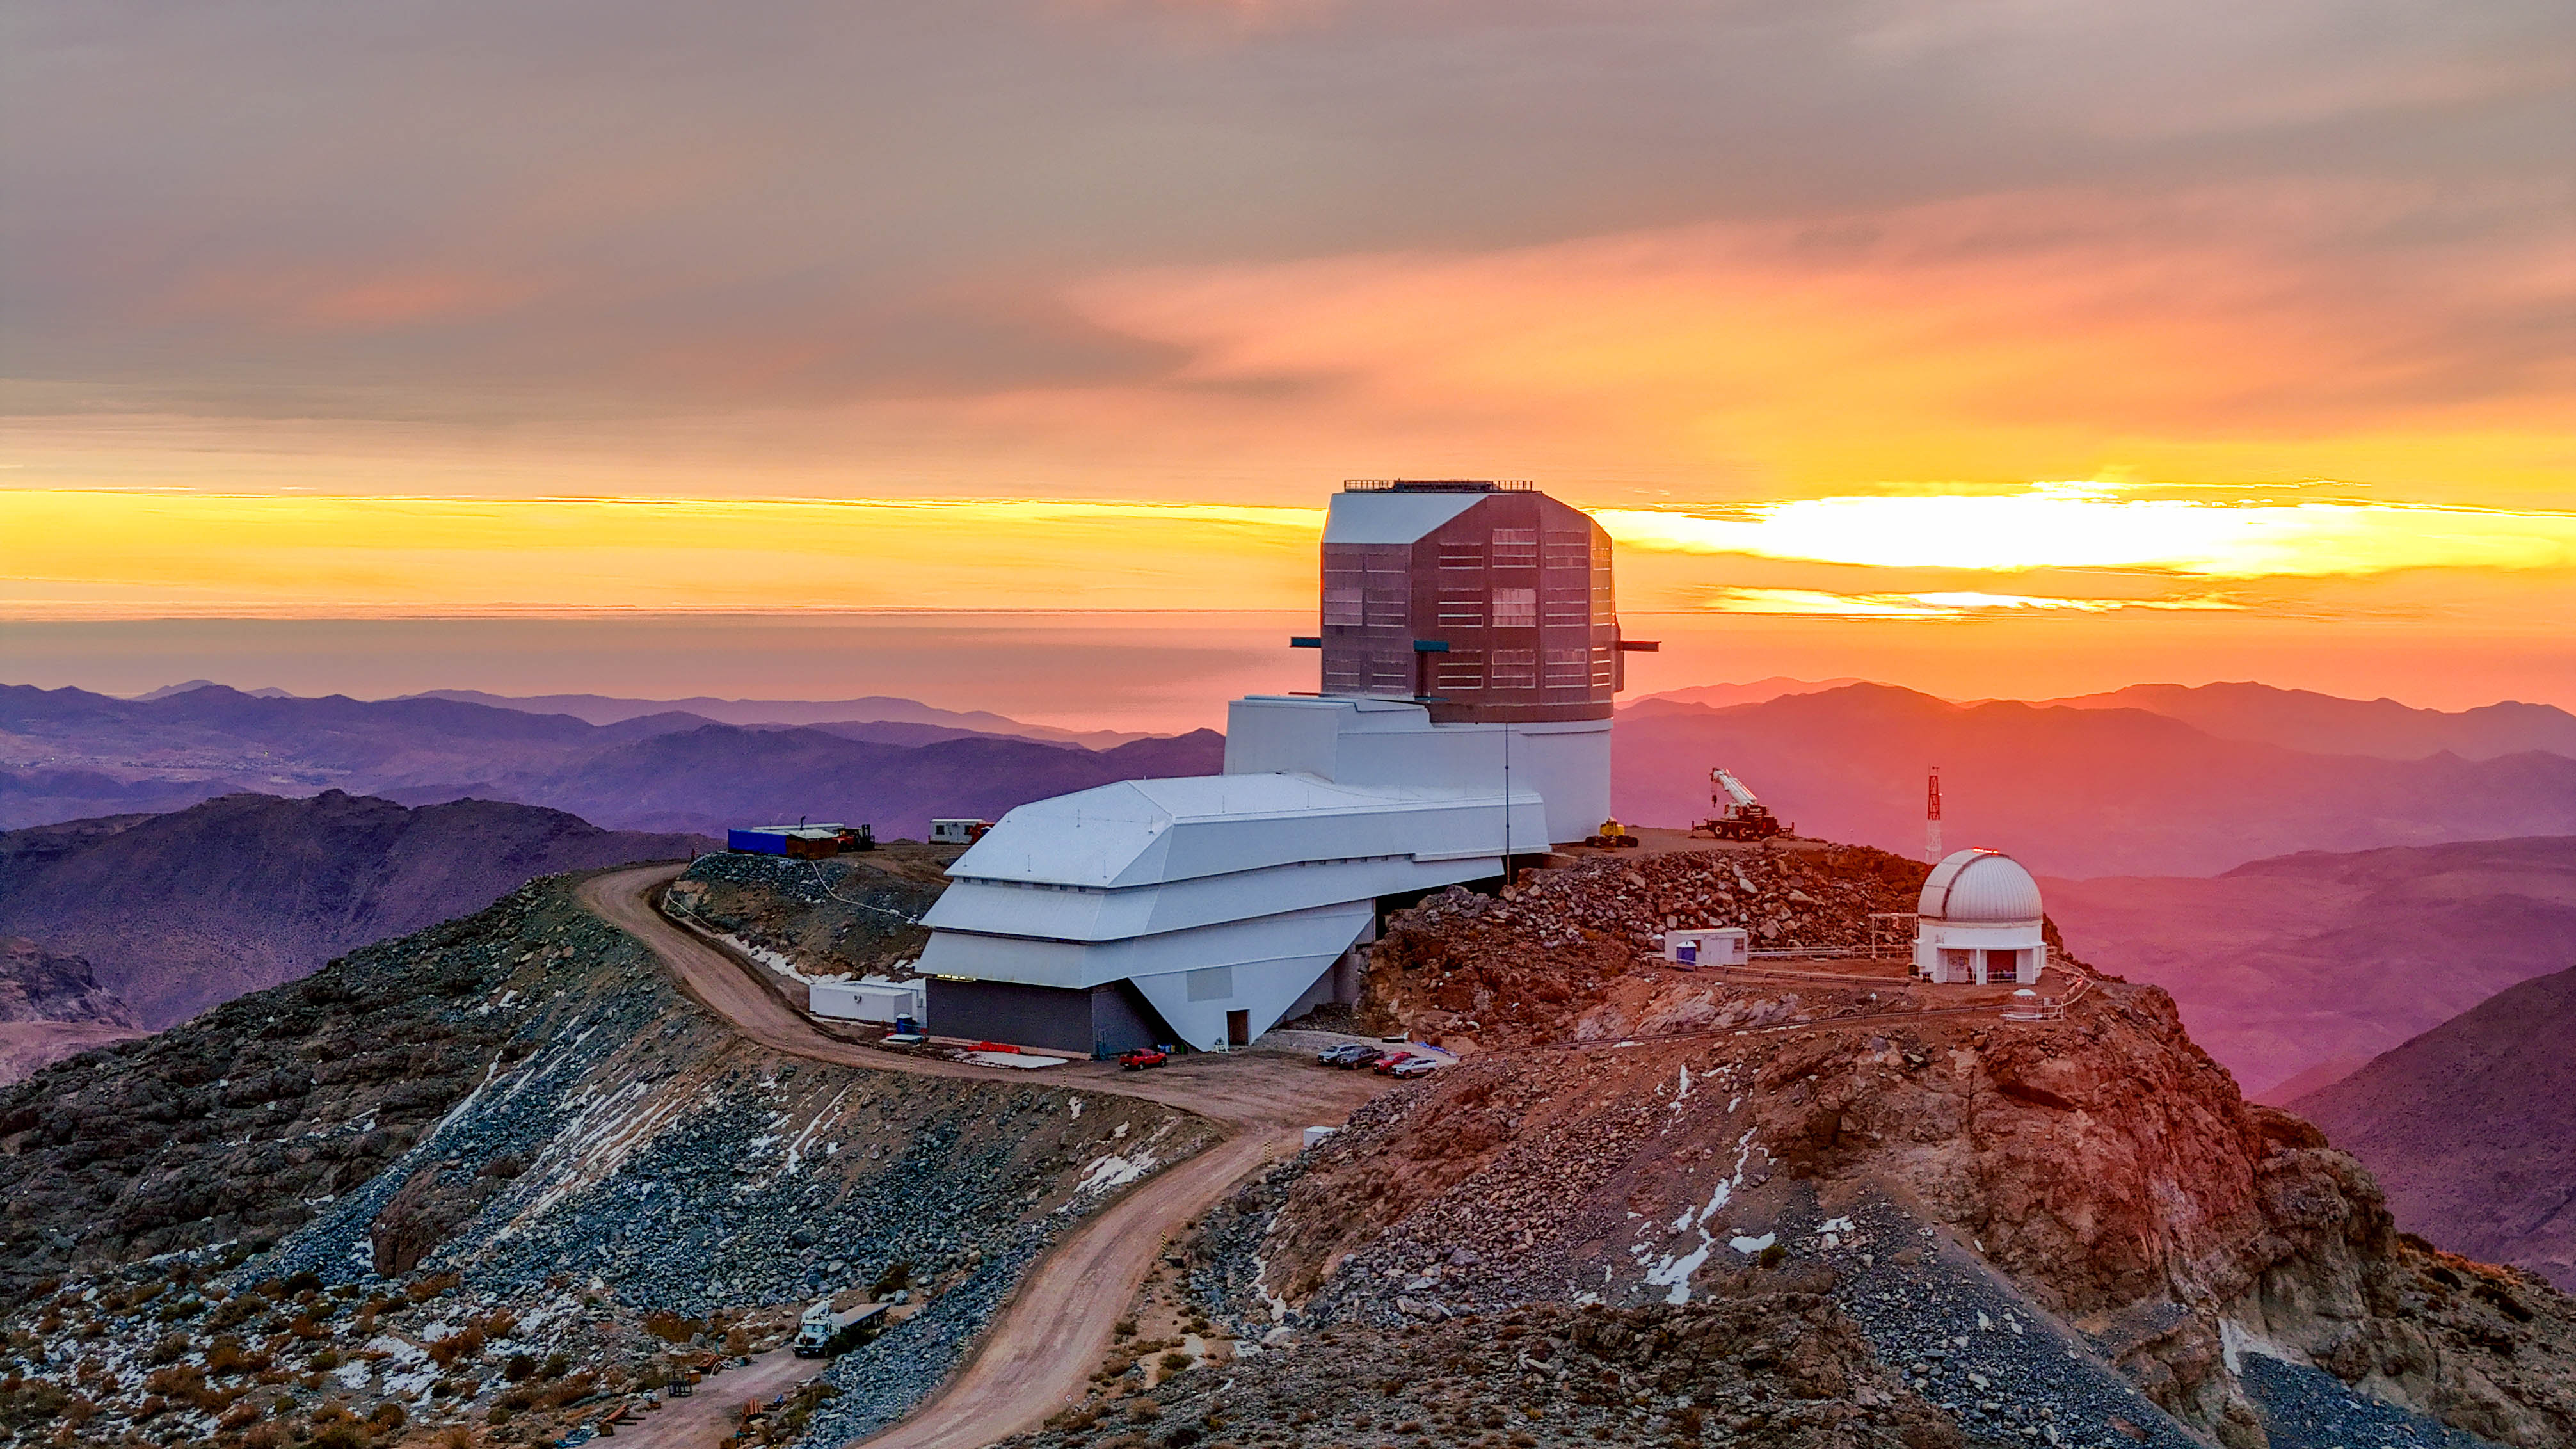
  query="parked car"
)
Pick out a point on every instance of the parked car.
point(1413, 1067)
point(1347, 1054)
point(1141, 1058)
point(1385, 1065)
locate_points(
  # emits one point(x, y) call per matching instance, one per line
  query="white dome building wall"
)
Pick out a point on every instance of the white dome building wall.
point(1980, 922)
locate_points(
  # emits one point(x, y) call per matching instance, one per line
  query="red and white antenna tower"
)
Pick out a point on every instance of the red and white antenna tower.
point(1932, 819)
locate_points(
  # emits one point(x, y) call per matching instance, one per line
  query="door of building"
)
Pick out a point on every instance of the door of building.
point(2003, 966)
point(1238, 1028)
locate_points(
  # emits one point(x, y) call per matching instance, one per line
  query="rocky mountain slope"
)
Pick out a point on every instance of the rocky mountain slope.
point(2072, 792)
point(177, 912)
point(2471, 1127)
point(2073, 1230)
point(51, 1007)
point(66, 753)
point(2317, 961)
point(497, 1175)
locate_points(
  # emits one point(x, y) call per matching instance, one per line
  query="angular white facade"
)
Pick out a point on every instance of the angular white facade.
point(1219, 894)
point(1978, 922)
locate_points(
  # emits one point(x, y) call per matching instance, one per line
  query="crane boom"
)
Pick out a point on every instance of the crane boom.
point(1734, 787)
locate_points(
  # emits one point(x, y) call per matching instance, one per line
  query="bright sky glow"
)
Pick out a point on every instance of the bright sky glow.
point(74, 553)
point(2086, 525)
point(1939, 604)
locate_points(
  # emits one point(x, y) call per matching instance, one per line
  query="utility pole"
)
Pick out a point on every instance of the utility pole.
point(1932, 819)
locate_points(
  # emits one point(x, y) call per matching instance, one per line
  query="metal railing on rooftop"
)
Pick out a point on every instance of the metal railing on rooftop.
point(1437, 485)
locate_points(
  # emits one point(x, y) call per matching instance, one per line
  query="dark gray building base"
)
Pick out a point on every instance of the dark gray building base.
point(1098, 1021)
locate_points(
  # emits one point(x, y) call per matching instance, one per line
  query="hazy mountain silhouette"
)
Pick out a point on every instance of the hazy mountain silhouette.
point(177, 912)
point(707, 777)
point(2074, 792)
point(79, 754)
point(2471, 1128)
point(872, 709)
point(2315, 960)
point(2299, 719)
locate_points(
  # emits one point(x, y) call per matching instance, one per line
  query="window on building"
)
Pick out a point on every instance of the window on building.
point(1568, 549)
point(1515, 608)
point(1391, 671)
point(1462, 609)
point(1515, 669)
point(1457, 672)
point(1569, 668)
point(1604, 667)
point(1568, 608)
point(1386, 608)
point(1345, 674)
point(1462, 554)
point(1342, 607)
point(1516, 548)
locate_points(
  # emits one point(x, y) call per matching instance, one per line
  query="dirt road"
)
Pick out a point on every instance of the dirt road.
point(710, 1414)
point(1037, 1354)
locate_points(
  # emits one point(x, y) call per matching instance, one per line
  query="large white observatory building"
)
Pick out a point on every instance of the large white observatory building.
point(1470, 652)
point(1978, 922)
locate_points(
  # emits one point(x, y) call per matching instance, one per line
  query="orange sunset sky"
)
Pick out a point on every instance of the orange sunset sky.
point(1003, 354)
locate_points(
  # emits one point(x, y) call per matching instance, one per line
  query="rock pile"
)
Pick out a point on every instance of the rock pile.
point(853, 915)
point(1523, 966)
point(1781, 1369)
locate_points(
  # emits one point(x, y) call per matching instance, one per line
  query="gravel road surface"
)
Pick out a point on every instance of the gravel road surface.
point(1039, 1352)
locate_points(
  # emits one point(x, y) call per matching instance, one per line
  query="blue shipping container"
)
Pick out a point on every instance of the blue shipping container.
point(756, 842)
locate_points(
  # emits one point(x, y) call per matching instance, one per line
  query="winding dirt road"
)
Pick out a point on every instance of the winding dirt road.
point(1039, 1351)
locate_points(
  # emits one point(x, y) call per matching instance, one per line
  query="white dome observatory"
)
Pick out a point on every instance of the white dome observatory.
point(1979, 922)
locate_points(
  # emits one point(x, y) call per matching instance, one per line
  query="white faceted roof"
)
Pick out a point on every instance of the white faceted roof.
point(1132, 832)
point(1392, 517)
point(1980, 886)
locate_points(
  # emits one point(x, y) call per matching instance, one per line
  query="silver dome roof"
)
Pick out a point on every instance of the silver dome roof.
point(1980, 886)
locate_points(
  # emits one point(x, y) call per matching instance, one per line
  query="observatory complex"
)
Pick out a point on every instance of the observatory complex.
point(1469, 650)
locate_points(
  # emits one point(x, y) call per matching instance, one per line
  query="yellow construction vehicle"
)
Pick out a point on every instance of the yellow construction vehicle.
point(1613, 836)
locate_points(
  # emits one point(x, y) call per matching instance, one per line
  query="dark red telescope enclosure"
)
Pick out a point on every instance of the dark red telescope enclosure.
point(1488, 601)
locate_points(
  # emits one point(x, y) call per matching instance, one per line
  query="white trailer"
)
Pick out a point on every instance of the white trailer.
point(822, 1323)
point(1720, 946)
point(870, 998)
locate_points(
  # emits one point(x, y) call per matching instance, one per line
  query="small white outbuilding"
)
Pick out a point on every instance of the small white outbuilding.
point(870, 998)
point(1716, 946)
point(1979, 922)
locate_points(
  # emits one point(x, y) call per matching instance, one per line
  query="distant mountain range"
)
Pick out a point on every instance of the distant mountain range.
point(2072, 792)
point(177, 912)
point(875, 709)
point(67, 753)
point(2294, 971)
point(2471, 1128)
point(1719, 696)
point(2322, 724)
